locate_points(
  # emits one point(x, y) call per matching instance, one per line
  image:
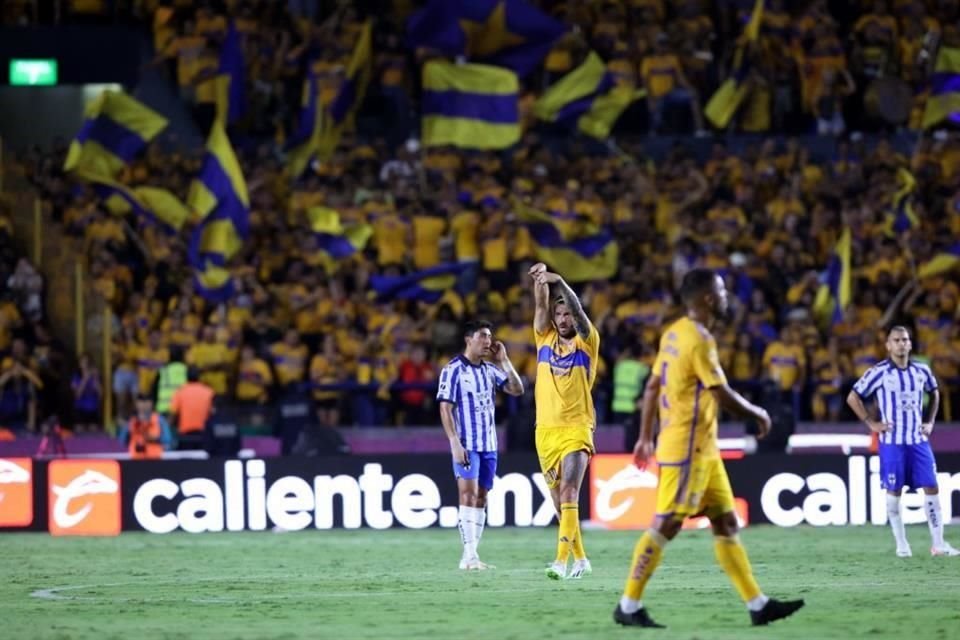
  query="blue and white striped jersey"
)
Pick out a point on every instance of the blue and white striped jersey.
point(899, 393)
point(471, 388)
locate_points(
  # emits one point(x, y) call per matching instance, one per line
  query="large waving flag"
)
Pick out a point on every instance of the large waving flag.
point(318, 130)
point(589, 253)
point(350, 94)
point(115, 129)
point(152, 204)
point(836, 288)
point(944, 100)
point(427, 285)
point(470, 105)
point(586, 99)
point(504, 33)
point(904, 216)
point(305, 141)
point(334, 239)
point(231, 90)
point(219, 197)
point(725, 101)
point(944, 262)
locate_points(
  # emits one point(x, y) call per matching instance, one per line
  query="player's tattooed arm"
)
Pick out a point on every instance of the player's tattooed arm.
point(541, 299)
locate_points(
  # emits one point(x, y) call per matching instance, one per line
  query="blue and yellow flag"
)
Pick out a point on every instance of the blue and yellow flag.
point(334, 239)
point(427, 285)
point(504, 33)
point(580, 254)
point(944, 262)
point(152, 204)
point(586, 99)
point(115, 129)
point(231, 97)
point(725, 101)
point(305, 141)
point(904, 216)
point(218, 196)
point(470, 105)
point(836, 287)
point(943, 102)
point(350, 95)
point(318, 130)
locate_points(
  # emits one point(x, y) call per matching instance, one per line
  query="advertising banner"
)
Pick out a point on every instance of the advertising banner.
point(104, 497)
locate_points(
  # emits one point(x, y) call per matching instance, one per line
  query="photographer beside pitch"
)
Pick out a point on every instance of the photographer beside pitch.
point(689, 387)
point(466, 394)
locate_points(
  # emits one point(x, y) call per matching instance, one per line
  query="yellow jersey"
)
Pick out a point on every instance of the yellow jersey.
point(688, 365)
point(565, 376)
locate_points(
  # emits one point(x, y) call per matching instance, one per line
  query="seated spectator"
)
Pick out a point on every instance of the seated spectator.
point(86, 396)
point(414, 370)
point(147, 433)
point(19, 384)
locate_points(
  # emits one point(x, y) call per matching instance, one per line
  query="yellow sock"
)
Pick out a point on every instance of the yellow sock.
point(646, 558)
point(733, 559)
point(569, 529)
point(578, 551)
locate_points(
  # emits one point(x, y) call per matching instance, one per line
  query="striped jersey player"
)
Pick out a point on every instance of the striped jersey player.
point(466, 394)
point(898, 385)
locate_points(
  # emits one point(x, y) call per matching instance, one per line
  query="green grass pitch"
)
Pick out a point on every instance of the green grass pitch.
point(405, 584)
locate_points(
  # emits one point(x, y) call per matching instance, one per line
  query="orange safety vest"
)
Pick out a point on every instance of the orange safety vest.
point(145, 438)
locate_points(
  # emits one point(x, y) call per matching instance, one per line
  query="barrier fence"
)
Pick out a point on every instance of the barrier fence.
point(106, 497)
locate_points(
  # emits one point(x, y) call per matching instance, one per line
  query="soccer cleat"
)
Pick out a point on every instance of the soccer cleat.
point(639, 618)
point(905, 552)
point(580, 569)
point(557, 571)
point(476, 564)
point(775, 610)
point(945, 550)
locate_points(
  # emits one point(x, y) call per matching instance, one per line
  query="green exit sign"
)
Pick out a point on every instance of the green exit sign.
point(33, 72)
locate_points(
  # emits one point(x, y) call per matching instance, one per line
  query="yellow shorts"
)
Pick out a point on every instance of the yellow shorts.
point(700, 487)
point(555, 443)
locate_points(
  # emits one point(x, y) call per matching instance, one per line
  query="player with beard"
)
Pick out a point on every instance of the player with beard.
point(568, 347)
point(689, 387)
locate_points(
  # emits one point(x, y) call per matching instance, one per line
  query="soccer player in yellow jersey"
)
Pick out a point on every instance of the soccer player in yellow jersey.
point(689, 387)
point(568, 349)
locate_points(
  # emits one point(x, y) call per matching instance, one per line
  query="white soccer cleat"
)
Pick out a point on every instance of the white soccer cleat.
point(945, 550)
point(557, 570)
point(905, 552)
point(476, 564)
point(580, 569)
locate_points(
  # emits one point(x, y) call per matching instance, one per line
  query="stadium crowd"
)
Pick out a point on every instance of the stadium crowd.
point(768, 216)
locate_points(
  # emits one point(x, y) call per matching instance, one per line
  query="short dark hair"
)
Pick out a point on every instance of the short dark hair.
point(695, 283)
point(898, 327)
point(472, 326)
point(193, 374)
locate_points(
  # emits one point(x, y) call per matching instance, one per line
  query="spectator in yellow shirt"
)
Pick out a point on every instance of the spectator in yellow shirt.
point(253, 377)
point(326, 368)
point(289, 359)
point(785, 363)
point(667, 86)
point(827, 379)
point(211, 359)
point(150, 358)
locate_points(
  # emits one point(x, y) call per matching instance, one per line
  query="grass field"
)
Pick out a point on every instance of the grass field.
point(405, 584)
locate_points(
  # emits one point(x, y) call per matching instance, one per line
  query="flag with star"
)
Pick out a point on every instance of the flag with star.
point(502, 33)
